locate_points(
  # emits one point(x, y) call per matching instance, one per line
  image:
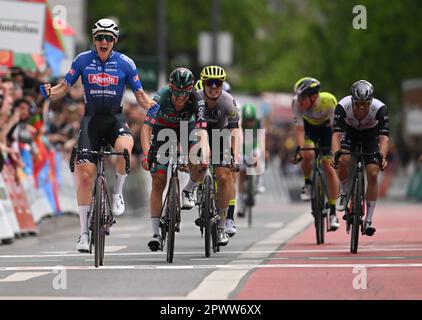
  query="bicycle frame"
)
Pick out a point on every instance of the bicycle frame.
point(100, 217)
point(319, 194)
point(208, 210)
point(355, 198)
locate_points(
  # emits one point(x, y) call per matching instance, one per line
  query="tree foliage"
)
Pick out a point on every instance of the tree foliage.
point(278, 41)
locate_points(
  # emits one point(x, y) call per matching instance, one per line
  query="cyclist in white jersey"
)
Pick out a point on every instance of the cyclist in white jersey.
point(361, 118)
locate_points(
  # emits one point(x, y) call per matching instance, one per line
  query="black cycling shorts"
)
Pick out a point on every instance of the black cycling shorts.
point(368, 138)
point(321, 134)
point(95, 128)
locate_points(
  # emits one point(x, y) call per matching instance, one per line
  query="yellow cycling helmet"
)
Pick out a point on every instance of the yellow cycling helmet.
point(213, 72)
point(199, 85)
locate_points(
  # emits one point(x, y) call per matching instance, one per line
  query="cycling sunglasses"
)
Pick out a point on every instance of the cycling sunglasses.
point(177, 92)
point(212, 82)
point(365, 104)
point(101, 37)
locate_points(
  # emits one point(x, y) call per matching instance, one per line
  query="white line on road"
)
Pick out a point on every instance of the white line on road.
point(114, 248)
point(230, 267)
point(66, 254)
point(220, 283)
point(23, 276)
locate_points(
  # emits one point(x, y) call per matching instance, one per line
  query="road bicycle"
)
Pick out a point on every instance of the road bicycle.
point(355, 198)
point(319, 193)
point(100, 217)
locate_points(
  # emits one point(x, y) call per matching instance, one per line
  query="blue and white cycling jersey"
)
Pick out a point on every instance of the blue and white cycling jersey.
point(104, 83)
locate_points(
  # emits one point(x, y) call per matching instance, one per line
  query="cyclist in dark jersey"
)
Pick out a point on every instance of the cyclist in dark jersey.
point(181, 110)
point(361, 118)
point(223, 120)
point(104, 73)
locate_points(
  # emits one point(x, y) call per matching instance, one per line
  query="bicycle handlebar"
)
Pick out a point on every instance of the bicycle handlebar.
point(378, 154)
point(75, 152)
point(296, 157)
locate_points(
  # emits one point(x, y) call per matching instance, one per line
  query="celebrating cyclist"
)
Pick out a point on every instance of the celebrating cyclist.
point(178, 102)
point(360, 117)
point(313, 117)
point(222, 117)
point(104, 74)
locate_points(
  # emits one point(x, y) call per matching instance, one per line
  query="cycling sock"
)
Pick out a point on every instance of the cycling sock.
point(155, 223)
point(343, 187)
point(189, 187)
point(332, 202)
point(118, 184)
point(308, 180)
point(230, 213)
point(333, 209)
point(83, 218)
point(370, 206)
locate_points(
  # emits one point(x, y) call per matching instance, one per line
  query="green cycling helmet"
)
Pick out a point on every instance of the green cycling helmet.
point(182, 78)
point(249, 112)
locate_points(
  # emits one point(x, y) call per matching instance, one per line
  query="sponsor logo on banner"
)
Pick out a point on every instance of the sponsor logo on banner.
point(103, 79)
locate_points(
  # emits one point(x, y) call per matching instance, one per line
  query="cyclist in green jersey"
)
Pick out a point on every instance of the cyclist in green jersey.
point(252, 151)
point(178, 103)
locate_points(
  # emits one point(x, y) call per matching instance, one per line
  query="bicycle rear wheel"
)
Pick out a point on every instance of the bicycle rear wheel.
point(172, 216)
point(318, 205)
point(358, 202)
point(250, 198)
point(99, 218)
point(207, 214)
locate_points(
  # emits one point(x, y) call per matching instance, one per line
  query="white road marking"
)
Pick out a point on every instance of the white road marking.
point(114, 248)
point(274, 225)
point(220, 283)
point(65, 254)
point(23, 276)
point(222, 267)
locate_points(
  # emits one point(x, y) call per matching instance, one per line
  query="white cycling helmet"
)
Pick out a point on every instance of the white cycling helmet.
point(105, 25)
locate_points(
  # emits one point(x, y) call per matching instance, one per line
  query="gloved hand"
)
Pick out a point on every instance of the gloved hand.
point(152, 111)
point(45, 90)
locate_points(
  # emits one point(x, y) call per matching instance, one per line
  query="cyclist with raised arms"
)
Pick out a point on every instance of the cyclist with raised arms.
point(104, 74)
point(360, 117)
point(313, 118)
point(178, 102)
point(223, 118)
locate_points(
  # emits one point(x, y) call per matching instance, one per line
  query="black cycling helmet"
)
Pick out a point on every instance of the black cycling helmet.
point(362, 91)
point(182, 78)
point(307, 86)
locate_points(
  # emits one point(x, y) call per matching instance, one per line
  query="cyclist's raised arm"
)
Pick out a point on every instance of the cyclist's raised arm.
point(57, 92)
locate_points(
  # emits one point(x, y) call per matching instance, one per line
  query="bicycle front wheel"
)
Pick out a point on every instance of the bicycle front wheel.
point(358, 202)
point(172, 216)
point(318, 207)
point(207, 214)
point(99, 218)
point(250, 198)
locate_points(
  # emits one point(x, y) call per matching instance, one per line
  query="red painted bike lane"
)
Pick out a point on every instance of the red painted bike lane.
point(387, 265)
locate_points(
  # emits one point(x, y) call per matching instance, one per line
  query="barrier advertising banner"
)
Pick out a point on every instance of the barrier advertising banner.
point(22, 26)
